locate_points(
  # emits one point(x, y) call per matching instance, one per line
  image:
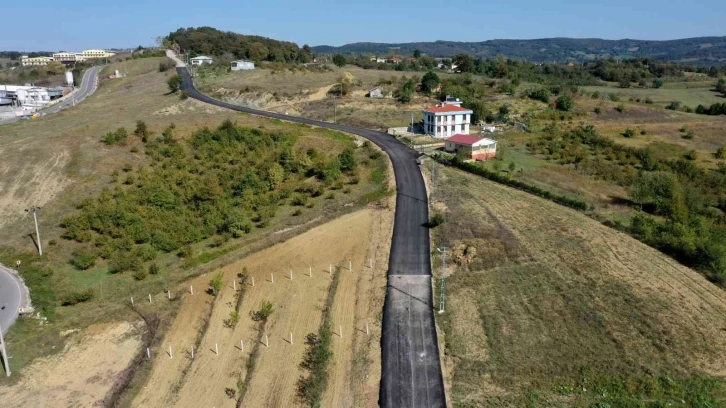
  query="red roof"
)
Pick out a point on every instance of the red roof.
point(464, 139)
point(446, 108)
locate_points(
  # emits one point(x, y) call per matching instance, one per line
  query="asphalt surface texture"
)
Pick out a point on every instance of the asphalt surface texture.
point(12, 297)
point(88, 86)
point(411, 372)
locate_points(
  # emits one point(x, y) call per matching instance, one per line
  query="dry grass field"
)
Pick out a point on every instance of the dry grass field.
point(305, 93)
point(547, 307)
point(269, 375)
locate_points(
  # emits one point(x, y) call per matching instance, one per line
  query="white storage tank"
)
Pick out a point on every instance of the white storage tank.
point(69, 78)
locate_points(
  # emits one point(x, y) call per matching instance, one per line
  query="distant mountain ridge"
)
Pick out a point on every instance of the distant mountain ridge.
point(698, 50)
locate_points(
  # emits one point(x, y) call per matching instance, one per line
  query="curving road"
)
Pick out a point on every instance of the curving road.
point(88, 86)
point(12, 297)
point(411, 372)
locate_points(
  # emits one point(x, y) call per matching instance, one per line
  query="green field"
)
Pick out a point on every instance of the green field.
point(687, 93)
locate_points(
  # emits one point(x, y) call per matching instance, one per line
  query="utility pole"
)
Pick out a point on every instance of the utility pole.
point(442, 297)
point(37, 232)
point(5, 353)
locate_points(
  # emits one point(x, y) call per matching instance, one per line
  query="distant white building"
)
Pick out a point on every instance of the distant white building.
point(447, 119)
point(242, 65)
point(30, 61)
point(202, 59)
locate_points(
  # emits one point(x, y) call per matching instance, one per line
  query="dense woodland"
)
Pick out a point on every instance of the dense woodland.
point(222, 182)
point(212, 42)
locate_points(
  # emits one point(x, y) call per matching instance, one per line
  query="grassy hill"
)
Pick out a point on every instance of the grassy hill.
point(698, 50)
point(549, 308)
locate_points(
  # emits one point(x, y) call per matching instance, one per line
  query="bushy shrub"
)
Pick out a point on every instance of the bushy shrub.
point(629, 133)
point(565, 103)
point(83, 259)
point(539, 94)
point(436, 220)
point(75, 298)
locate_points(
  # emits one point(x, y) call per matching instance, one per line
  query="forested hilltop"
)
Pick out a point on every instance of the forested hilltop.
point(212, 42)
point(698, 50)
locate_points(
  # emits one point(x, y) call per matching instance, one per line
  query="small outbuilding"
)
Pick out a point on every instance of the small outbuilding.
point(202, 59)
point(243, 65)
point(376, 92)
point(472, 147)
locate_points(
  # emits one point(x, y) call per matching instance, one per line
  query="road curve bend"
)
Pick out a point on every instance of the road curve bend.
point(411, 371)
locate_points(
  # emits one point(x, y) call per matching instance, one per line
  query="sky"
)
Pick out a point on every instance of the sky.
point(53, 25)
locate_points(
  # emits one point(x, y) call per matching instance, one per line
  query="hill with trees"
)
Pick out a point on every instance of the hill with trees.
point(210, 41)
point(698, 50)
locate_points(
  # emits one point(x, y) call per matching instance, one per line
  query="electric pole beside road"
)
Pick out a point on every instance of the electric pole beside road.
point(442, 297)
point(37, 232)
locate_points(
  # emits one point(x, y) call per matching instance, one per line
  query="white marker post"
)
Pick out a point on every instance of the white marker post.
point(234, 284)
point(267, 341)
point(272, 278)
point(340, 331)
point(290, 337)
point(290, 274)
point(371, 263)
point(330, 269)
point(366, 328)
point(253, 281)
point(192, 352)
point(168, 292)
point(149, 297)
point(132, 300)
point(191, 289)
point(171, 355)
point(216, 349)
point(242, 345)
point(310, 271)
point(148, 353)
point(350, 266)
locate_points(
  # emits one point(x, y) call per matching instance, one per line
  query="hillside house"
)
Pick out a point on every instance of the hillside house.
point(472, 147)
point(243, 65)
point(376, 92)
point(202, 59)
point(447, 119)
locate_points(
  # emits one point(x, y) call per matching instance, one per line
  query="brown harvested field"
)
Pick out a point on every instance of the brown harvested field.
point(547, 307)
point(298, 305)
point(82, 374)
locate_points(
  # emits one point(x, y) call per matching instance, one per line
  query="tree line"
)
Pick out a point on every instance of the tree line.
point(210, 41)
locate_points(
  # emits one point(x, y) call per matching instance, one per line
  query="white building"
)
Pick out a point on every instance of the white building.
point(447, 119)
point(90, 54)
point(26, 61)
point(202, 59)
point(242, 65)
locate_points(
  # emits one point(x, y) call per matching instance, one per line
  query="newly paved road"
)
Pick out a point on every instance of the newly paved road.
point(411, 370)
point(88, 86)
point(12, 297)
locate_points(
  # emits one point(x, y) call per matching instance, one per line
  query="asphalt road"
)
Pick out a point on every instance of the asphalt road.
point(12, 296)
point(88, 86)
point(411, 370)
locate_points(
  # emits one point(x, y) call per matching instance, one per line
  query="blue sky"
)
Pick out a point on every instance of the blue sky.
point(79, 24)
